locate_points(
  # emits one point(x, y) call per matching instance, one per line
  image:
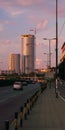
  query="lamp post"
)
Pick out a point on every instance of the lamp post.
point(49, 50)
point(56, 87)
point(56, 37)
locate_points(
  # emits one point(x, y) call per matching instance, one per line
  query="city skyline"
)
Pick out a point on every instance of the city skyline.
point(18, 17)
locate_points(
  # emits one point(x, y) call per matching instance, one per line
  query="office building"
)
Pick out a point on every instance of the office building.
point(14, 63)
point(27, 53)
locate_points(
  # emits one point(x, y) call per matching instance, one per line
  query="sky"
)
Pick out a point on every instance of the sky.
point(18, 17)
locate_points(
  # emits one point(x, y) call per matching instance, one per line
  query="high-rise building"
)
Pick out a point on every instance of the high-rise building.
point(27, 53)
point(14, 63)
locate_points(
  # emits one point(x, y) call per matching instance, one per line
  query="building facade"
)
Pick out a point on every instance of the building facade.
point(14, 63)
point(63, 52)
point(62, 63)
point(27, 53)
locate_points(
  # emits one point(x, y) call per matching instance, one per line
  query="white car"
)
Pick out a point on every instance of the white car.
point(18, 85)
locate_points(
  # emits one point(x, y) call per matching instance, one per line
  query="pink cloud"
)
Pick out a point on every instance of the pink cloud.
point(9, 22)
point(3, 23)
point(25, 2)
point(1, 26)
point(18, 2)
point(42, 25)
point(33, 19)
point(6, 42)
point(40, 5)
point(16, 12)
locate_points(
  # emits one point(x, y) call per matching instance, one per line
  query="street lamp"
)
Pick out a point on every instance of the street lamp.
point(49, 50)
point(56, 49)
point(56, 37)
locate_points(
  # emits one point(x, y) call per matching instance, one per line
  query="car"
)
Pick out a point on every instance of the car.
point(24, 83)
point(33, 82)
point(18, 85)
point(28, 81)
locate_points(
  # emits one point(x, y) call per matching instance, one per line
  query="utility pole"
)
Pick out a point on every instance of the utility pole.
point(56, 87)
point(56, 38)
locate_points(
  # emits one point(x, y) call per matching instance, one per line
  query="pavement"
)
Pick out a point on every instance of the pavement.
point(48, 113)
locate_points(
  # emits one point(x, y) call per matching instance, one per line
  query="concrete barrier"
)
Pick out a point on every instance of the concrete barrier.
point(24, 112)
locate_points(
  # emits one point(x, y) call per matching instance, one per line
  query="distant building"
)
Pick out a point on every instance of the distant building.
point(27, 53)
point(6, 72)
point(14, 63)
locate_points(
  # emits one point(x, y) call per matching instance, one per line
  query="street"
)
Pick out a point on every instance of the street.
point(11, 101)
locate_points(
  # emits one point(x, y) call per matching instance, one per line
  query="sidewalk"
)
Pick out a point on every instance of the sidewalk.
point(48, 113)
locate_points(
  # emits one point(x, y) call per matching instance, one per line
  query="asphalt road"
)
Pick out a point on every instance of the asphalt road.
point(11, 101)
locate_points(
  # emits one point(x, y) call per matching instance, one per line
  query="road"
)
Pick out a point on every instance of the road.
point(11, 101)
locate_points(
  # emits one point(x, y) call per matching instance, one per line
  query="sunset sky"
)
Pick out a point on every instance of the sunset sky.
point(18, 17)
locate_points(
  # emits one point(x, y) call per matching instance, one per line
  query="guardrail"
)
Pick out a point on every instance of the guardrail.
point(25, 110)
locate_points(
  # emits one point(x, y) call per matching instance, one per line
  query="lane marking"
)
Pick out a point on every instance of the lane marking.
point(62, 98)
point(11, 96)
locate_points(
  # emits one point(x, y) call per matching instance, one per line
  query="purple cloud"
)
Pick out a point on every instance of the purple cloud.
point(42, 25)
point(10, 22)
point(1, 26)
point(24, 14)
point(48, 7)
point(6, 42)
point(18, 2)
